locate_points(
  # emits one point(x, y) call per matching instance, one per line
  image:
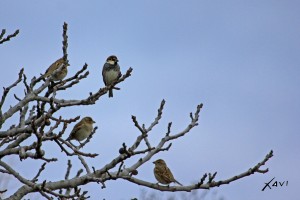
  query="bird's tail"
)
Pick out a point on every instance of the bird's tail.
point(177, 182)
point(110, 93)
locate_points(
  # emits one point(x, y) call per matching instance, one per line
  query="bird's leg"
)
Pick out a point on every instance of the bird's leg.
point(80, 144)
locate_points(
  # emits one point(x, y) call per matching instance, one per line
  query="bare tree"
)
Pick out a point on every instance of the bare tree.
point(38, 124)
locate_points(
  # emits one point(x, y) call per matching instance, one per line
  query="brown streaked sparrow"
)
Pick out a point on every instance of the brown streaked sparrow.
point(59, 75)
point(162, 173)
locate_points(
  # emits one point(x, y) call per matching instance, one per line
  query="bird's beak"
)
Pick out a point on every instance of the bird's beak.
point(94, 121)
point(153, 162)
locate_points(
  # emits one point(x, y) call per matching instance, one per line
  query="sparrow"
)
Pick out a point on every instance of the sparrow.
point(82, 129)
point(111, 72)
point(59, 75)
point(163, 174)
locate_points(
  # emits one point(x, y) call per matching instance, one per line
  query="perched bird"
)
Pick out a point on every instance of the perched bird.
point(111, 72)
point(59, 75)
point(82, 129)
point(162, 173)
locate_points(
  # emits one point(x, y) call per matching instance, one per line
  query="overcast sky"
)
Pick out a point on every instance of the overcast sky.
point(239, 58)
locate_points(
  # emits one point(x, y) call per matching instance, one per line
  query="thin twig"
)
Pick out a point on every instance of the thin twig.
point(83, 162)
point(8, 37)
point(35, 179)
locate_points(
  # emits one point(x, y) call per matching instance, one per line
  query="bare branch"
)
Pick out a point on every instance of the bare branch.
point(74, 149)
point(22, 116)
point(136, 124)
point(145, 131)
point(16, 174)
point(88, 139)
point(75, 79)
point(28, 89)
point(68, 170)
point(4, 171)
point(142, 151)
point(32, 96)
point(160, 146)
point(194, 122)
point(35, 179)
point(15, 151)
point(158, 117)
point(93, 97)
point(200, 185)
point(65, 43)
point(6, 90)
point(83, 162)
point(8, 37)
point(169, 129)
point(142, 130)
point(120, 168)
point(165, 149)
point(2, 191)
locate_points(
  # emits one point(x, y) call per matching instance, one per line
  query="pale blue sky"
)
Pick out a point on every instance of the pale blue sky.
point(239, 58)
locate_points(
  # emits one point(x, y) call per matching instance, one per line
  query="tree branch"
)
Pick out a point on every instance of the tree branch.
point(208, 185)
point(2, 40)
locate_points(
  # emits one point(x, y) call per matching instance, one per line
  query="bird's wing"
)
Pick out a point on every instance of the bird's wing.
point(76, 128)
point(105, 67)
point(168, 174)
point(158, 171)
point(50, 70)
point(53, 67)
